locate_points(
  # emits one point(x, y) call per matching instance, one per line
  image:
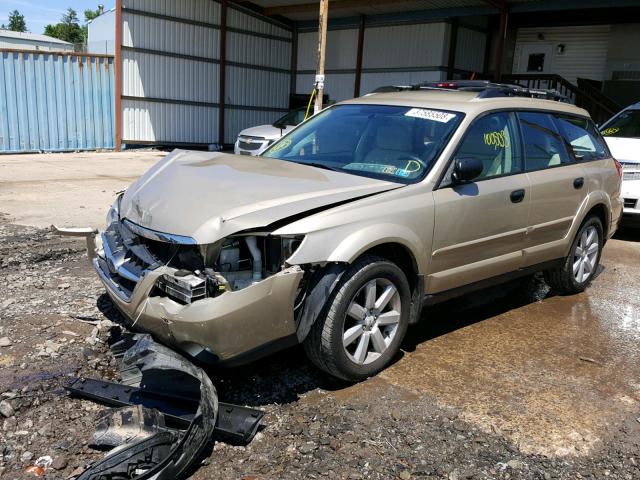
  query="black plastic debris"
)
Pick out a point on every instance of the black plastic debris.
point(167, 413)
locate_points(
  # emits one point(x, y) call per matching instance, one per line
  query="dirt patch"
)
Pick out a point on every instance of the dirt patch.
point(56, 321)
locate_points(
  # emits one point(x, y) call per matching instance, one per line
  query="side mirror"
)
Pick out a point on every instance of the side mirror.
point(466, 169)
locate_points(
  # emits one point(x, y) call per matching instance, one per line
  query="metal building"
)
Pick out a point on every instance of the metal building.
point(30, 41)
point(196, 72)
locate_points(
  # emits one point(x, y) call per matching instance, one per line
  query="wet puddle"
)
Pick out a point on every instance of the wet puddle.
point(555, 375)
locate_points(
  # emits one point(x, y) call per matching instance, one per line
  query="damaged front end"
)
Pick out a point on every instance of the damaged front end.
point(226, 302)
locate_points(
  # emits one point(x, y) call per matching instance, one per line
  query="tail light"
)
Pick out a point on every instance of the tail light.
point(446, 85)
point(618, 167)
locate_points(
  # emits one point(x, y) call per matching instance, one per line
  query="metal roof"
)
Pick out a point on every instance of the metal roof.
point(298, 10)
point(31, 37)
point(305, 10)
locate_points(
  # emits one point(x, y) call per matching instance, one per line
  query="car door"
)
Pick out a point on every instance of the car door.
point(480, 227)
point(558, 187)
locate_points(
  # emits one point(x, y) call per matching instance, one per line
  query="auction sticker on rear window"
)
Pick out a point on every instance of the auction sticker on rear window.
point(435, 115)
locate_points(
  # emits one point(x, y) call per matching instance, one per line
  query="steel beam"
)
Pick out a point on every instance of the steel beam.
point(222, 71)
point(358, 76)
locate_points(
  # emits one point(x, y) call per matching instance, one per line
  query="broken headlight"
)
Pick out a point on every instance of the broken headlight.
point(114, 212)
point(289, 245)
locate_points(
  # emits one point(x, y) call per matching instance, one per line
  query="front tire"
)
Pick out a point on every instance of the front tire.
point(578, 269)
point(364, 322)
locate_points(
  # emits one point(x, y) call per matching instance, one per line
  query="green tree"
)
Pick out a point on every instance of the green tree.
point(88, 16)
point(16, 22)
point(91, 14)
point(68, 29)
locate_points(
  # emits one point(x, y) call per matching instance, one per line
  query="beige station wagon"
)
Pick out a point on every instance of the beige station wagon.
point(338, 235)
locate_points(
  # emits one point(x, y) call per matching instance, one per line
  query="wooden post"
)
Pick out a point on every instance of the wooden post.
point(322, 45)
point(358, 77)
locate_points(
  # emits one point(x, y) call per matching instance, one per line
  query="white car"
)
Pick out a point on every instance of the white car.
point(622, 133)
point(255, 140)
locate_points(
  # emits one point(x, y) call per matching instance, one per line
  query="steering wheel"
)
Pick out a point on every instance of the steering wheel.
point(413, 159)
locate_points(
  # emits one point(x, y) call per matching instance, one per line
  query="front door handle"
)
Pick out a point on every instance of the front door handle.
point(517, 196)
point(578, 183)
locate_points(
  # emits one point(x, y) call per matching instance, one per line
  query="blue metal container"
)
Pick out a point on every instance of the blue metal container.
point(55, 102)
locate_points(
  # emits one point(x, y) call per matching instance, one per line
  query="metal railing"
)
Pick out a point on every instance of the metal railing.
point(599, 106)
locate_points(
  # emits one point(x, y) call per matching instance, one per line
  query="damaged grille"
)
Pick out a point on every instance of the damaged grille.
point(126, 259)
point(129, 254)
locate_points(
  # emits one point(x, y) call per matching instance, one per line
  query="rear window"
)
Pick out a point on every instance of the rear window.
point(625, 124)
point(583, 138)
point(544, 147)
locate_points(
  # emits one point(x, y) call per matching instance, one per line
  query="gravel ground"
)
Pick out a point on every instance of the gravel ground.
point(54, 323)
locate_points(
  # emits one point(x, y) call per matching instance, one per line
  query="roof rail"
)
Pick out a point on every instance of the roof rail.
point(485, 88)
point(489, 89)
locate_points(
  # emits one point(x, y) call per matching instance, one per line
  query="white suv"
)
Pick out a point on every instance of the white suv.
point(622, 133)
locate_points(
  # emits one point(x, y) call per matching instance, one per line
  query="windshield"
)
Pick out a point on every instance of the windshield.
point(388, 142)
point(625, 124)
point(294, 117)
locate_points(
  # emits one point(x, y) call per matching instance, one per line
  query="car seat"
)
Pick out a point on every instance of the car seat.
point(393, 144)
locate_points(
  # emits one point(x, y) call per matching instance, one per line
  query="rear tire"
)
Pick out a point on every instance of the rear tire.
point(364, 321)
point(579, 267)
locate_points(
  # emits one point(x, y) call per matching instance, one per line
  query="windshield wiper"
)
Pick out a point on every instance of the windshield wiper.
point(321, 165)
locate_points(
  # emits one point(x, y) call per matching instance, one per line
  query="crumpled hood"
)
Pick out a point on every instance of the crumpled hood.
point(208, 196)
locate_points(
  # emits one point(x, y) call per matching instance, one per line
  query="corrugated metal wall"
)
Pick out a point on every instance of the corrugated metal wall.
point(340, 62)
point(416, 54)
point(392, 55)
point(171, 71)
point(258, 71)
point(585, 53)
point(55, 102)
point(470, 49)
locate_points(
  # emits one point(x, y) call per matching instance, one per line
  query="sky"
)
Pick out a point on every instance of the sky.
point(38, 13)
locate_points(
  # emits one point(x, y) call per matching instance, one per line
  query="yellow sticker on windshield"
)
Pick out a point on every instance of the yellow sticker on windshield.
point(280, 145)
point(610, 131)
point(496, 139)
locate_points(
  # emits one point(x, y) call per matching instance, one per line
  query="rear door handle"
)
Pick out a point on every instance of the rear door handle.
point(578, 183)
point(517, 196)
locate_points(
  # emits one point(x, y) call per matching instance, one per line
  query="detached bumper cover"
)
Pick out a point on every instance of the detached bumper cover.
point(169, 413)
point(162, 453)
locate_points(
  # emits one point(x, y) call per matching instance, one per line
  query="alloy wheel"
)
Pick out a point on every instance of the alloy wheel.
point(371, 321)
point(585, 256)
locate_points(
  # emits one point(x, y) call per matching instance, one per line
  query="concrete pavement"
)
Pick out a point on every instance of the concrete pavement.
point(67, 189)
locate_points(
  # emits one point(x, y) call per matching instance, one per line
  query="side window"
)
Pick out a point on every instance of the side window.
point(493, 140)
point(586, 142)
point(544, 147)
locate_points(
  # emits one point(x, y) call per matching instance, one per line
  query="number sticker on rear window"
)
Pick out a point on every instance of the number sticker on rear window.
point(435, 115)
point(496, 140)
